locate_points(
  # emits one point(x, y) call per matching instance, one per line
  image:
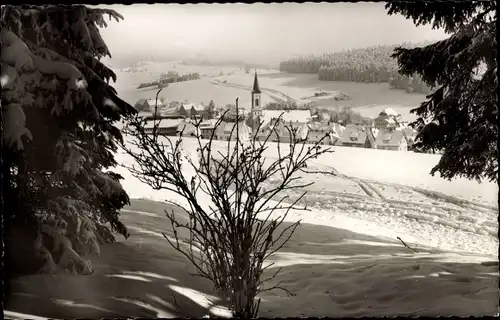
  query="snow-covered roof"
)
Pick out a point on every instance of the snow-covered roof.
point(227, 129)
point(319, 127)
point(390, 112)
point(208, 124)
point(229, 126)
point(144, 114)
point(152, 103)
point(197, 107)
point(338, 128)
point(390, 121)
point(389, 137)
point(169, 110)
point(287, 115)
point(354, 134)
point(163, 123)
point(280, 128)
point(187, 127)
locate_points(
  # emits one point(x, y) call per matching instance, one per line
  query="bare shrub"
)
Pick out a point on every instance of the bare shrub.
point(229, 239)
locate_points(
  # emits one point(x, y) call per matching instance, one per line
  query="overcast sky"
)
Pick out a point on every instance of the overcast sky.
point(258, 31)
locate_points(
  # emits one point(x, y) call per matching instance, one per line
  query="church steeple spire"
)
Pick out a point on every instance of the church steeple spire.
point(256, 88)
point(256, 104)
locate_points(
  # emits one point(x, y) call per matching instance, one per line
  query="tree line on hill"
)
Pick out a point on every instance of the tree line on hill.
point(342, 116)
point(365, 65)
point(226, 63)
point(170, 77)
point(287, 105)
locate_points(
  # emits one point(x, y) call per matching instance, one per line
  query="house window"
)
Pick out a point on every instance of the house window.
point(256, 102)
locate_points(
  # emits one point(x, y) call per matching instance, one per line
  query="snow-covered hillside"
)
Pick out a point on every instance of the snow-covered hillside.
point(345, 259)
point(381, 193)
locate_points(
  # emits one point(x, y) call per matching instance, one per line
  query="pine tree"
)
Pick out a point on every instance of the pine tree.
point(59, 140)
point(462, 110)
point(210, 110)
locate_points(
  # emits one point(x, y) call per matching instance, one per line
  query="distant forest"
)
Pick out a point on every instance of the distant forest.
point(170, 77)
point(226, 63)
point(365, 65)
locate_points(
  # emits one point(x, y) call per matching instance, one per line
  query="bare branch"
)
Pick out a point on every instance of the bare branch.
point(229, 239)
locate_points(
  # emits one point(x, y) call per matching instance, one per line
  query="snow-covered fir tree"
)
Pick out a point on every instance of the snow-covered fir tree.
point(463, 110)
point(59, 140)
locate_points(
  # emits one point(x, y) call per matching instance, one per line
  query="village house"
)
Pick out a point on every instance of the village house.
point(359, 136)
point(301, 130)
point(226, 131)
point(325, 116)
point(392, 134)
point(294, 116)
point(411, 135)
point(231, 114)
point(188, 129)
point(195, 110)
point(336, 132)
point(273, 129)
point(391, 139)
point(207, 129)
point(319, 132)
point(167, 127)
point(279, 130)
point(316, 117)
point(155, 104)
point(171, 127)
point(175, 112)
point(297, 120)
point(387, 118)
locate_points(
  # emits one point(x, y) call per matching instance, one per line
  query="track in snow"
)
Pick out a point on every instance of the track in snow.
point(273, 94)
point(444, 221)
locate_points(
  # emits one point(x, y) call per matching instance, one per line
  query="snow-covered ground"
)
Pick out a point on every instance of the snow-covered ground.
point(387, 193)
point(345, 258)
point(332, 272)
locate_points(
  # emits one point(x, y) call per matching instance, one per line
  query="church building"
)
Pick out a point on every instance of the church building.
point(256, 111)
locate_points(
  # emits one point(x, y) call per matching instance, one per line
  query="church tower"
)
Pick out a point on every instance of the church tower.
point(256, 112)
point(256, 101)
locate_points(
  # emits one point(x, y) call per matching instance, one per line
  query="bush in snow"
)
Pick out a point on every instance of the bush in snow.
point(58, 137)
point(231, 227)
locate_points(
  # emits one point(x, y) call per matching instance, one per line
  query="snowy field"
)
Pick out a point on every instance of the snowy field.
point(389, 189)
point(368, 99)
point(344, 259)
point(195, 91)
